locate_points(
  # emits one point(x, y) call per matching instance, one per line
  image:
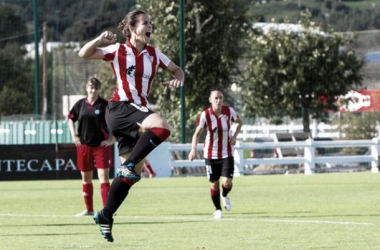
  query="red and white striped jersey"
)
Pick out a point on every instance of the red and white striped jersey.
point(217, 142)
point(134, 71)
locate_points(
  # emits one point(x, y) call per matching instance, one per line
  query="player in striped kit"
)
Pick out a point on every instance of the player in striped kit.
point(218, 148)
point(137, 129)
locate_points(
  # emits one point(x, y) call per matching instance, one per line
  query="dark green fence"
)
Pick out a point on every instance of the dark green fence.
point(34, 132)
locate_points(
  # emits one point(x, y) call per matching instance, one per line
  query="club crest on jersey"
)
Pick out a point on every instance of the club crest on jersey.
point(150, 58)
point(97, 112)
point(131, 70)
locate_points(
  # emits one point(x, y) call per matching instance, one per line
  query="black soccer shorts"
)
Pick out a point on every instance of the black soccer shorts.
point(220, 167)
point(123, 118)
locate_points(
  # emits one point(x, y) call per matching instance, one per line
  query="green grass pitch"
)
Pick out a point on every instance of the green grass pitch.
point(322, 211)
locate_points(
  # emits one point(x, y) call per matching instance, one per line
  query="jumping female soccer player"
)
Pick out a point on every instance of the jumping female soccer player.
point(137, 129)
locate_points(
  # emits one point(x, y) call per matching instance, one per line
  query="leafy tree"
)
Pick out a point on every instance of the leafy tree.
point(106, 17)
point(297, 74)
point(12, 27)
point(214, 39)
point(16, 88)
point(14, 102)
point(108, 81)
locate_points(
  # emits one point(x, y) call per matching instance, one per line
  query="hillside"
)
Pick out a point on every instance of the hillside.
point(341, 15)
point(90, 19)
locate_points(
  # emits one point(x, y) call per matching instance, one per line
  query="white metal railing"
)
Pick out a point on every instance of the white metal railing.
point(249, 132)
point(162, 156)
point(309, 158)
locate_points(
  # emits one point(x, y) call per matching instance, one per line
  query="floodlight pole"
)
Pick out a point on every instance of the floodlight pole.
point(36, 60)
point(182, 65)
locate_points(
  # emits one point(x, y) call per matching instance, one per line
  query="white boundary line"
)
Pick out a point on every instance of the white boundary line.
point(321, 222)
point(203, 219)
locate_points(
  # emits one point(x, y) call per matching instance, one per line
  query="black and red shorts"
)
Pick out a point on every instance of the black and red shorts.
point(220, 167)
point(123, 118)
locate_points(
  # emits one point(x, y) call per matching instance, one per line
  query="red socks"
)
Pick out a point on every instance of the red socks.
point(88, 193)
point(161, 133)
point(215, 197)
point(104, 189)
point(214, 192)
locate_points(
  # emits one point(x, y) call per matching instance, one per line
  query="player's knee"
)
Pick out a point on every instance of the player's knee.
point(215, 185)
point(227, 184)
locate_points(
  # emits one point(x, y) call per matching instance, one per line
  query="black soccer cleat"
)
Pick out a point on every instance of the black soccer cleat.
point(105, 225)
point(128, 172)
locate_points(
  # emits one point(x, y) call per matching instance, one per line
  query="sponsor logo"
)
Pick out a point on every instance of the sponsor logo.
point(35, 165)
point(356, 101)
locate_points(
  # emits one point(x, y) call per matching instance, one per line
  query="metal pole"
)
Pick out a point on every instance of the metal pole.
point(36, 60)
point(182, 65)
point(44, 84)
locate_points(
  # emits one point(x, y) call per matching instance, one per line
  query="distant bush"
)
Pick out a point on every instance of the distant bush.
point(328, 5)
point(343, 8)
point(358, 126)
point(292, 6)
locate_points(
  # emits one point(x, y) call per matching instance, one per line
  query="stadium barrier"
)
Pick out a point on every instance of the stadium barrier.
point(58, 161)
point(34, 132)
point(310, 158)
point(317, 130)
point(57, 131)
point(163, 163)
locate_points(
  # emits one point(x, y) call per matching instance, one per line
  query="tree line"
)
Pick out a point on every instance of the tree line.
point(276, 74)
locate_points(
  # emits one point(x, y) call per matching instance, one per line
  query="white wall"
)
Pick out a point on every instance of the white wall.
point(159, 159)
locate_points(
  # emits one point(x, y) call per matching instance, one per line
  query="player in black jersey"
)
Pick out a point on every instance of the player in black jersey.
point(93, 143)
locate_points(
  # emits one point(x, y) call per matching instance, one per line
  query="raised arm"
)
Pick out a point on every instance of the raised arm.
point(90, 50)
